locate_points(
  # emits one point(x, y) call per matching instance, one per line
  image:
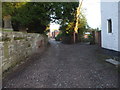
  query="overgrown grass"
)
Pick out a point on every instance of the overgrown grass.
point(18, 38)
point(9, 39)
point(7, 30)
point(6, 39)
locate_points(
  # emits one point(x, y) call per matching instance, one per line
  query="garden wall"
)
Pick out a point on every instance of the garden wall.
point(16, 46)
point(98, 37)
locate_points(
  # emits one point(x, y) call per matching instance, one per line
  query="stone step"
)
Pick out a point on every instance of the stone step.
point(112, 61)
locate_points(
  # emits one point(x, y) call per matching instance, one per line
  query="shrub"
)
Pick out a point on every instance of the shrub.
point(91, 39)
point(58, 37)
point(67, 40)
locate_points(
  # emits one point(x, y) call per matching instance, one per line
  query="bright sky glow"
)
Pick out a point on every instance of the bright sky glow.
point(92, 12)
point(54, 26)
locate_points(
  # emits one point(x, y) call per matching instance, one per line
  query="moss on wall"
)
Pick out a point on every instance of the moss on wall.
point(18, 46)
point(6, 52)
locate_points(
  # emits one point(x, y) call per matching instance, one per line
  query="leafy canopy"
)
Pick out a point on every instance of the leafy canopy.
point(36, 16)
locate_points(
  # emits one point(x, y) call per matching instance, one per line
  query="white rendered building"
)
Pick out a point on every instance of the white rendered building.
point(110, 20)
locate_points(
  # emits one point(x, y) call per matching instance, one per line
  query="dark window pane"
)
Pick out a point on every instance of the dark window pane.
point(109, 26)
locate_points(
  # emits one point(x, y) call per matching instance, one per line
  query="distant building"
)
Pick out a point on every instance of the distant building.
point(55, 33)
point(110, 18)
point(86, 34)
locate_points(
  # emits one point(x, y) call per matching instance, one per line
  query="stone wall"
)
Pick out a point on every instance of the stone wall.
point(16, 46)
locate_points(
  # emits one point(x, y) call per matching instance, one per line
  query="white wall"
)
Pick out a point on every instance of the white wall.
point(109, 10)
point(119, 26)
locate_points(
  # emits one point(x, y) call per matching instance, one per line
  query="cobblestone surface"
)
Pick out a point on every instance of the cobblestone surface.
point(65, 66)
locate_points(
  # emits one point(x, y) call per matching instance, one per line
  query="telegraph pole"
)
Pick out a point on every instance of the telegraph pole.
point(77, 19)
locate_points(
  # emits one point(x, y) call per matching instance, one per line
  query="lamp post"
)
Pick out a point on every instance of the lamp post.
point(77, 20)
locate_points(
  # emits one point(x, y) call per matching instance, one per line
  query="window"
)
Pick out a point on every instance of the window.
point(109, 26)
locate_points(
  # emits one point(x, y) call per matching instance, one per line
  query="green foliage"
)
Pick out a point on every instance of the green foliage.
point(91, 39)
point(64, 11)
point(6, 39)
point(64, 31)
point(68, 29)
point(82, 23)
point(9, 39)
point(58, 37)
point(37, 15)
point(7, 30)
point(90, 36)
point(10, 8)
point(67, 39)
point(18, 38)
point(33, 16)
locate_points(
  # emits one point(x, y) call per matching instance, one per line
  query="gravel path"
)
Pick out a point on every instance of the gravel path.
point(65, 66)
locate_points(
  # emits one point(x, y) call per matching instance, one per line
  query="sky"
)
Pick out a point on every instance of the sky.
point(54, 26)
point(92, 12)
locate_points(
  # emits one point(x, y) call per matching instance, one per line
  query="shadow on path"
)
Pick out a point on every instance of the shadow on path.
point(65, 66)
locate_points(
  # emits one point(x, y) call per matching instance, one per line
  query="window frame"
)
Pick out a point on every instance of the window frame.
point(109, 25)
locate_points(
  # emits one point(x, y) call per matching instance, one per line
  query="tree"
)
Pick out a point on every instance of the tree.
point(82, 25)
point(68, 29)
point(37, 15)
point(64, 11)
point(11, 9)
